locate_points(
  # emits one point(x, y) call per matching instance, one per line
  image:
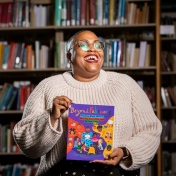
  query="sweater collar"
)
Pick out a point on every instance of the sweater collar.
point(85, 85)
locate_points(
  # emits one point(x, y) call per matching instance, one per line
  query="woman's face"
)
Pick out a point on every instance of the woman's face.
point(86, 65)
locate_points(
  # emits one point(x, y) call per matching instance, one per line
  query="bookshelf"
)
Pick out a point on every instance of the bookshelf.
point(50, 34)
point(168, 109)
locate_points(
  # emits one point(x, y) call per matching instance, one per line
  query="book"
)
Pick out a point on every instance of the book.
point(90, 132)
point(3, 97)
point(171, 94)
point(7, 97)
point(64, 13)
point(142, 53)
point(106, 12)
point(1, 52)
point(12, 99)
point(148, 55)
point(83, 12)
point(19, 56)
point(68, 4)
point(163, 96)
point(12, 54)
point(78, 3)
point(111, 12)
point(5, 56)
point(122, 13)
point(9, 14)
point(73, 12)
point(29, 53)
point(92, 12)
point(99, 12)
point(58, 6)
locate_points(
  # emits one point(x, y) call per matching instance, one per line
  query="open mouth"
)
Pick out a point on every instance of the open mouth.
point(91, 58)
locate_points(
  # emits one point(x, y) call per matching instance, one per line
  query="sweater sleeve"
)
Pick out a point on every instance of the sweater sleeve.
point(34, 133)
point(145, 140)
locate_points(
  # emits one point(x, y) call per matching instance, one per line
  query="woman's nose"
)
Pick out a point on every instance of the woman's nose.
point(91, 47)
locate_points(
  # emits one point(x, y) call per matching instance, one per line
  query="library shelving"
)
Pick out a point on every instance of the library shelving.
point(168, 86)
point(40, 28)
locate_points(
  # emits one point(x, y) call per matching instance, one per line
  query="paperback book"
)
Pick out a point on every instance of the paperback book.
point(90, 132)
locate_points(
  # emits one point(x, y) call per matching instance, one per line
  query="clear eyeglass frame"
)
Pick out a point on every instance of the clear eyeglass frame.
point(85, 45)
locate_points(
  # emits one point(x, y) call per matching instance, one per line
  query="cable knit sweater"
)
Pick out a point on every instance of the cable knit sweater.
point(136, 125)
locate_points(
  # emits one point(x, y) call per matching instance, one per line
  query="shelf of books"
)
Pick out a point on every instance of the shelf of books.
point(168, 86)
point(33, 37)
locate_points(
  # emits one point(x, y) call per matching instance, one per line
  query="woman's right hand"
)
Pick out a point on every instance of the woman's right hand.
point(60, 105)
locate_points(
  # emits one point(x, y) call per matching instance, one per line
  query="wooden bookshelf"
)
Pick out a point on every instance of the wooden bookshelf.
point(149, 74)
point(167, 42)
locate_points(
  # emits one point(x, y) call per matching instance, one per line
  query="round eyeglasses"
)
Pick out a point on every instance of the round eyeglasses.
point(85, 45)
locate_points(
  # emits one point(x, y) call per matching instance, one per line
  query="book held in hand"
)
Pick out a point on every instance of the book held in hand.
point(90, 132)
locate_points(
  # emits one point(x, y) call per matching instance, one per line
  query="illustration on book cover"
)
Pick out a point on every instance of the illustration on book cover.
point(90, 132)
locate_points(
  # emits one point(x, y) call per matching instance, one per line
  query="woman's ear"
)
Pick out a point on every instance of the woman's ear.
point(69, 57)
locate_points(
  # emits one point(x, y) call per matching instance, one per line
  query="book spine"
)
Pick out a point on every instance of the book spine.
point(37, 54)
point(78, 3)
point(111, 12)
point(142, 53)
point(106, 12)
point(122, 16)
point(68, 12)
point(92, 12)
point(99, 14)
point(73, 12)
point(5, 56)
point(58, 9)
point(83, 12)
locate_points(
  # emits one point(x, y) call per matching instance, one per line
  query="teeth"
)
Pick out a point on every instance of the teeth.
point(91, 58)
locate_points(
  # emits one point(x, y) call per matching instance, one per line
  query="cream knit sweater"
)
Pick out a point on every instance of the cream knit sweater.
point(136, 126)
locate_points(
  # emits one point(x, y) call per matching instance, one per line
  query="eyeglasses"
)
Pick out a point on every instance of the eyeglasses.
point(85, 45)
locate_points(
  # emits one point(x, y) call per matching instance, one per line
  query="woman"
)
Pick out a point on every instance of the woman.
point(43, 128)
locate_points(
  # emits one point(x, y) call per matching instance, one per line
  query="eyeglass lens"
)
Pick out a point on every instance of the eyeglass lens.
point(85, 46)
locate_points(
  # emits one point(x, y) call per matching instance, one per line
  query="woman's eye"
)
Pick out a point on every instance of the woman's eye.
point(84, 46)
point(98, 45)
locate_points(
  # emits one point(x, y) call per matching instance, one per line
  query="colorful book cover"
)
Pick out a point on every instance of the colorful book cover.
point(90, 132)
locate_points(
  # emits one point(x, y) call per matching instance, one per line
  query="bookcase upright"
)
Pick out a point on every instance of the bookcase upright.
point(35, 32)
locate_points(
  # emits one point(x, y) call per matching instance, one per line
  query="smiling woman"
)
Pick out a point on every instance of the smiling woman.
point(42, 130)
point(86, 55)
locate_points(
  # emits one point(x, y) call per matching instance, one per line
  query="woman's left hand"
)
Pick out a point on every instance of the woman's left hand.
point(113, 159)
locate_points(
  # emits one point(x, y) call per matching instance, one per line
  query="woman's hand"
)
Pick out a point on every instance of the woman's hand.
point(113, 159)
point(60, 105)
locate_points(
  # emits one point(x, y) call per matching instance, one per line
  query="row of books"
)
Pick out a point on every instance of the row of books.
point(24, 14)
point(7, 143)
point(41, 15)
point(14, 96)
point(168, 163)
point(99, 12)
point(14, 14)
point(117, 53)
point(168, 61)
point(19, 169)
point(168, 133)
point(93, 12)
point(72, 12)
point(168, 95)
point(21, 55)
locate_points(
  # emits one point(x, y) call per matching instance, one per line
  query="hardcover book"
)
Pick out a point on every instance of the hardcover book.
point(90, 132)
